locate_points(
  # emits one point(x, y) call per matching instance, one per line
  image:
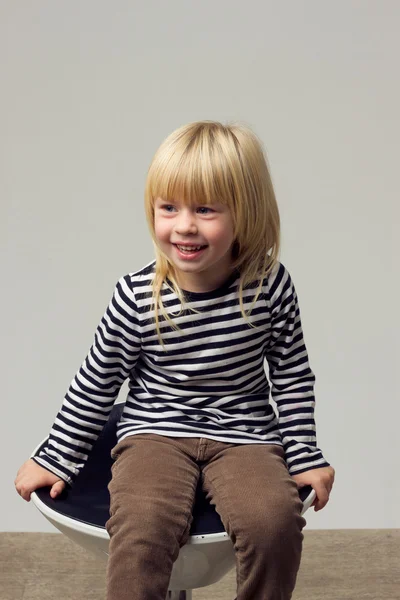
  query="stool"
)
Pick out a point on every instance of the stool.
point(81, 512)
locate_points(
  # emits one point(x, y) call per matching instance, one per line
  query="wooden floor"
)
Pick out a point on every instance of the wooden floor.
point(356, 564)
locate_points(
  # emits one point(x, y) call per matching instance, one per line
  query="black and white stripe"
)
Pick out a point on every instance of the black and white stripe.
point(210, 381)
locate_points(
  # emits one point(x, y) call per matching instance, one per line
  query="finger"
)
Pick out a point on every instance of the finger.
point(25, 493)
point(320, 505)
point(322, 496)
point(57, 488)
point(329, 487)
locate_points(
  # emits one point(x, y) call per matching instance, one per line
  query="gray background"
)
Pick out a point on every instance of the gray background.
point(89, 91)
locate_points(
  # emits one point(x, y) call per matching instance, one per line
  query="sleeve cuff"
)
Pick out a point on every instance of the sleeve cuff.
point(53, 467)
point(301, 468)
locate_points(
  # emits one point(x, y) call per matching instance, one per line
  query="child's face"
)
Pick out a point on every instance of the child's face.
point(201, 225)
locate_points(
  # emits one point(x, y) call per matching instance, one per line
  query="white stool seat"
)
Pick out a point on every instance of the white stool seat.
point(82, 510)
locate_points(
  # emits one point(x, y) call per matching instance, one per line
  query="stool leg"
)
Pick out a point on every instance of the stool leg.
point(179, 595)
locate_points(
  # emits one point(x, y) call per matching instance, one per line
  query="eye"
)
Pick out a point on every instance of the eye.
point(167, 206)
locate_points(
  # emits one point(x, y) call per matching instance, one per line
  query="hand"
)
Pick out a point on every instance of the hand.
point(32, 476)
point(321, 480)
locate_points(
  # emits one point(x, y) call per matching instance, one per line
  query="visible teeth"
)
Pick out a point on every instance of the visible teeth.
point(189, 248)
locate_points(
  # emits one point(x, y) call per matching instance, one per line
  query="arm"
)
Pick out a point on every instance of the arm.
point(92, 392)
point(292, 380)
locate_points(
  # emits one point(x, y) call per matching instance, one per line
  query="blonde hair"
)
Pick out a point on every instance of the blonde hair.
point(212, 162)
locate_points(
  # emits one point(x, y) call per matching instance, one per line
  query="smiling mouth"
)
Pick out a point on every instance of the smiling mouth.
point(191, 245)
point(190, 253)
point(196, 246)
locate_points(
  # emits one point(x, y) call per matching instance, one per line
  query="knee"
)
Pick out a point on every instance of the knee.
point(278, 524)
point(285, 523)
point(129, 519)
point(146, 523)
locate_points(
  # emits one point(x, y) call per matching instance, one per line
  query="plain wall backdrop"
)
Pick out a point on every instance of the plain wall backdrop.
point(91, 89)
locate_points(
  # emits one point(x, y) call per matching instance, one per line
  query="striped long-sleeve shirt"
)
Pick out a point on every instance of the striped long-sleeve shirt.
point(210, 380)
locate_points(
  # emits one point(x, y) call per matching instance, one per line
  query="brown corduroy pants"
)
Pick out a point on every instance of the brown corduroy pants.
point(152, 492)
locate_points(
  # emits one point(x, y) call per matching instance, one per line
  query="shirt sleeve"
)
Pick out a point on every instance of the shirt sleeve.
point(292, 380)
point(92, 392)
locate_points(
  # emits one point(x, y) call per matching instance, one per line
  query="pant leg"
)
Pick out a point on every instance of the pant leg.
point(152, 492)
point(260, 507)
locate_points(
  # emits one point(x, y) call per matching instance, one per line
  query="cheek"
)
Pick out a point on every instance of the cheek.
point(219, 234)
point(161, 229)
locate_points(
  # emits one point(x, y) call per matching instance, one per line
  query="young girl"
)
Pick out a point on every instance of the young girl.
point(191, 330)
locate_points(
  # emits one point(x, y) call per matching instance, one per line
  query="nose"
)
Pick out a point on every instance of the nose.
point(186, 222)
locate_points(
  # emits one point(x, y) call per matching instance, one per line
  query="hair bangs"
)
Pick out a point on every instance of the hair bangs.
point(198, 174)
